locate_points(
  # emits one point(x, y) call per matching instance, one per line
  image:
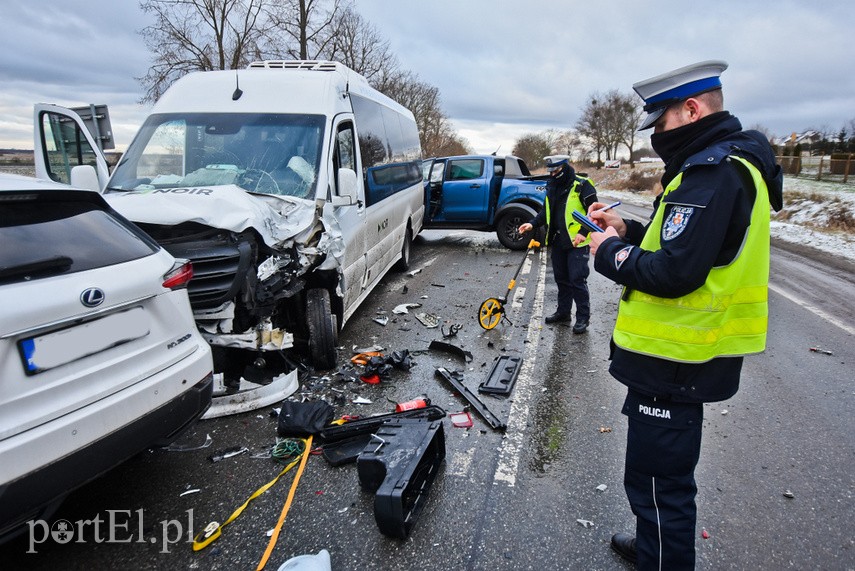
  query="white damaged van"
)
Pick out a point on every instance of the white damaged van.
point(292, 186)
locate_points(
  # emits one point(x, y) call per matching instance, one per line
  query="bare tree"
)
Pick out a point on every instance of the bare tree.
point(610, 121)
point(532, 147)
point(309, 26)
point(358, 45)
point(198, 35)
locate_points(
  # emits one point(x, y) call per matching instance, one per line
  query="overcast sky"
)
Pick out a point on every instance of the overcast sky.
point(503, 68)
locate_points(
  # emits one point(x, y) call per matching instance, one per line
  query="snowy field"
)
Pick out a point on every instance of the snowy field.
point(810, 210)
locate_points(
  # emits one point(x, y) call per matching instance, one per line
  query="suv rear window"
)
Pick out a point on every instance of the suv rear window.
point(46, 238)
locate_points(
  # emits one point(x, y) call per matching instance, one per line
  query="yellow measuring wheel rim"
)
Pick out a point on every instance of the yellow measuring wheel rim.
point(490, 313)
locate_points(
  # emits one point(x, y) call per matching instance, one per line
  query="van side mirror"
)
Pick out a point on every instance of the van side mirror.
point(84, 176)
point(347, 188)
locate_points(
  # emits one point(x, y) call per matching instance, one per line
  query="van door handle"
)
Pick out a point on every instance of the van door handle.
point(474, 186)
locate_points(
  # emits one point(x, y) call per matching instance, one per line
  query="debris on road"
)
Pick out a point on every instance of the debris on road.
point(176, 447)
point(604, 429)
point(449, 348)
point(429, 320)
point(602, 488)
point(585, 523)
point(789, 495)
point(818, 350)
point(228, 453)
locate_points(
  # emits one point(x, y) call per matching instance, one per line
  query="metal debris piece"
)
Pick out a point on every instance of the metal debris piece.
point(429, 320)
point(405, 308)
point(789, 495)
point(602, 487)
point(585, 522)
point(823, 351)
point(452, 330)
point(228, 453)
point(382, 319)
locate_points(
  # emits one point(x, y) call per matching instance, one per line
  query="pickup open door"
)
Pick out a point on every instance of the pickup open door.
point(62, 141)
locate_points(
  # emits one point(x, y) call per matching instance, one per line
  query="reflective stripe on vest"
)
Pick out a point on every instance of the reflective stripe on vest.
point(574, 202)
point(726, 316)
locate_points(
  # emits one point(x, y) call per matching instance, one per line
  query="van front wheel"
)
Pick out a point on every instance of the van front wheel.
point(323, 328)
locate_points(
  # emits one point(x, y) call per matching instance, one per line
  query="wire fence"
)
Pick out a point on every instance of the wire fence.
point(837, 168)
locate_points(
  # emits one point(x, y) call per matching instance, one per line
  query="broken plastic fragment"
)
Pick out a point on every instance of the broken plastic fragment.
point(405, 308)
point(429, 320)
point(724, 412)
point(382, 319)
point(602, 487)
point(585, 522)
point(414, 272)
point(705, 534)
point(187, 448)
point(461, 419)
point(188, 492)
point(361, 400)
point(605, 429)
point(788, 494)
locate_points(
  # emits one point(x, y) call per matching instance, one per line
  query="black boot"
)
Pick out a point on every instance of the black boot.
point(557, 317)
point(624, 545)
point(580, 326)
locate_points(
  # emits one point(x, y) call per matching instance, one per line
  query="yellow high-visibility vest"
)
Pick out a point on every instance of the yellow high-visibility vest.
point(726, 316)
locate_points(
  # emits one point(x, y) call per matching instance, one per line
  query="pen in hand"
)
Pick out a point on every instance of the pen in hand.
point(609, 207)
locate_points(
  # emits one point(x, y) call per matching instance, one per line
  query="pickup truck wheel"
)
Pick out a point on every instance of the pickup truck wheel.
point(507, 229)
point(404, 263)
point(323, 328)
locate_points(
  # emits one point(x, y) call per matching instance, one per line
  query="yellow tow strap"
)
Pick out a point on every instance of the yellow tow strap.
point(213, 530)
point(286, 507)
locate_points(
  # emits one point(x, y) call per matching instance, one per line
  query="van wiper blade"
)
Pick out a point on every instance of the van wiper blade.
point(54, 265)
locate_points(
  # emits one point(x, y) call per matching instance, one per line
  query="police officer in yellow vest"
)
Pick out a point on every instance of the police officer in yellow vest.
point(565, 192)
point(694, 300)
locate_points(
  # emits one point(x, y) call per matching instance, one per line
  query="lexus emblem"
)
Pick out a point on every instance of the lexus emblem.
point(92, 297)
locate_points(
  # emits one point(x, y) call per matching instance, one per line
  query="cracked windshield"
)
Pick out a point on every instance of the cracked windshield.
point(263, 153)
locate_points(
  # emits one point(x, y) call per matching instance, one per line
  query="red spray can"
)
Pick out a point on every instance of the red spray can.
point(421, 402)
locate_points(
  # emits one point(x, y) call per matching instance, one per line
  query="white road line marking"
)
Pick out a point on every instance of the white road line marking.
point(519, 295)
point(815, 310)
point(515, 434)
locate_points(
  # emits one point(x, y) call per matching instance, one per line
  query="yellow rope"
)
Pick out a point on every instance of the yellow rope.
point(272, 543)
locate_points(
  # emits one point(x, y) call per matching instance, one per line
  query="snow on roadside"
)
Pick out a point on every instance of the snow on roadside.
point(813, 199)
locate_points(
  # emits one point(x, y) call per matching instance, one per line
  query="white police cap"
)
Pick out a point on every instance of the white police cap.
point(553, 161)
point(661, 91)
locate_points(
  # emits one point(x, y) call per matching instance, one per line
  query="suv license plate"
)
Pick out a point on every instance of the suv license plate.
point(66, 345)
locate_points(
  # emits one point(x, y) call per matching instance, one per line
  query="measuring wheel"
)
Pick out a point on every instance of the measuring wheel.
point(490, 313)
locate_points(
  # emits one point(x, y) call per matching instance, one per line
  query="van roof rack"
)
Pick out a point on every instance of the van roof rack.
point(315, 65)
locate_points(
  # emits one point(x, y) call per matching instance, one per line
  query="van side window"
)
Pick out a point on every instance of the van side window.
point(390, 149)
point(344, 156)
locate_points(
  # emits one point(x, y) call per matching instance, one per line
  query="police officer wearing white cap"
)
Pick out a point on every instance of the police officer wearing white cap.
point(694, 300)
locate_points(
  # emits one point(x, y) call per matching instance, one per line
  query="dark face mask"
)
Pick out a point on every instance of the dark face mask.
point(669, 143)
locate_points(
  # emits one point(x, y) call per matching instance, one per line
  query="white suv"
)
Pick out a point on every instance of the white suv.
point(99, 355)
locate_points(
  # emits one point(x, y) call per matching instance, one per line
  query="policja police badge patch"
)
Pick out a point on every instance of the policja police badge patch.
point(677, 221)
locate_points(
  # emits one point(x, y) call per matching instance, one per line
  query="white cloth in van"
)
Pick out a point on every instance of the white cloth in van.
point(303, 169)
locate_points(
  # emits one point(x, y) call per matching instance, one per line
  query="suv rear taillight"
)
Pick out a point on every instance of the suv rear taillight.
point(179, 275)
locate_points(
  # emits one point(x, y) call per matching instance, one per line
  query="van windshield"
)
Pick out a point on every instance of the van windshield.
point(265, 153)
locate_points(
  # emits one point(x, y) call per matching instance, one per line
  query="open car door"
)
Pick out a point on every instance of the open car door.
point(62, 141)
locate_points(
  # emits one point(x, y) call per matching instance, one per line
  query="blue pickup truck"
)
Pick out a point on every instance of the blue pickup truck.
point(482, 192)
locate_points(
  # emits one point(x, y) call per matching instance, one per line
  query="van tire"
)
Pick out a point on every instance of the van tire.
point(323, 328)
point(403, 264)
point(507, 226)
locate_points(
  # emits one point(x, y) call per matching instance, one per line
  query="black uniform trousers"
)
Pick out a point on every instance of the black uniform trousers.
point(571, 271)
point(662, 449)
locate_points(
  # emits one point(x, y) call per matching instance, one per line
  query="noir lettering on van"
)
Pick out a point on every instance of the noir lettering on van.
point(204, 191)
point(382, 225)
point(179, 341)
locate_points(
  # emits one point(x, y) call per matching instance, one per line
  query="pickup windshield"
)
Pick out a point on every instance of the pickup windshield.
point(265, 153)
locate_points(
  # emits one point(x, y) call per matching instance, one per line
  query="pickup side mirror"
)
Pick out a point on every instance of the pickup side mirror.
point(84, 176)
point(347, 188)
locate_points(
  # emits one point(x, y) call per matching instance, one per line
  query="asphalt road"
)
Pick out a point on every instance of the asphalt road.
point(775, 478)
